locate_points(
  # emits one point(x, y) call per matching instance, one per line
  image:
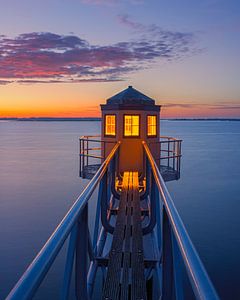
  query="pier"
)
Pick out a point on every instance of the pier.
point(139, 244)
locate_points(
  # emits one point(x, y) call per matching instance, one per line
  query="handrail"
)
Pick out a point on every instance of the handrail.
point(87, 139)
point(99, 136)
point(169, 138)
point(165, 139)
point(37, 270)
point(85, 136)
point(201, 284)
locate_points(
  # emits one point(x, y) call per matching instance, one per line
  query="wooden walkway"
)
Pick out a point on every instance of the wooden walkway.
point(125, 275)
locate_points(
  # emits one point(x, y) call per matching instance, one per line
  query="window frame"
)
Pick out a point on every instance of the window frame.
point(155, 135)
point(105, 118)
point(132, 136)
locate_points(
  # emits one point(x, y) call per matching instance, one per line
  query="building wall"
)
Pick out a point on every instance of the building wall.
point(131, 149)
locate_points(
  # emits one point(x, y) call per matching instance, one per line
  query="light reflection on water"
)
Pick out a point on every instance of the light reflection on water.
point(39, 182)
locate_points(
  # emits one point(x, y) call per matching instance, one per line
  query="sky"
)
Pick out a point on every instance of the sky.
point(62, 58)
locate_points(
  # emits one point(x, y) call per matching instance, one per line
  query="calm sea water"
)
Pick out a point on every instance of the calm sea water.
point(39, 182)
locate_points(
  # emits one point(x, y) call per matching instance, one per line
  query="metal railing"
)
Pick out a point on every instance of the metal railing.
point(92, 152)
point(174, 243)
point(80, 248)
point(170, 153)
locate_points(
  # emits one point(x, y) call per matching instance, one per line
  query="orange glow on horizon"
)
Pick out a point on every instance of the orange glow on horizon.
point(88, 112)
point(94, 111)
point(74, 100)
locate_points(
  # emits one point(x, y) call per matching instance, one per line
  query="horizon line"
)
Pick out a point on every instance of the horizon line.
point(99, 119)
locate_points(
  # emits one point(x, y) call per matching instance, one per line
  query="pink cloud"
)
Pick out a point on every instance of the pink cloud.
point(51, 57)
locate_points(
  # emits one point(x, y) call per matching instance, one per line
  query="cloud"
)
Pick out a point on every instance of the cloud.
point(4, 82)
point(155, 32)
point(111, 2)
point(216, 106)
point(126, 20)
point(224, 106)
point(181, 105)
point(45, 57)
point(99, 1)
point(31, 81)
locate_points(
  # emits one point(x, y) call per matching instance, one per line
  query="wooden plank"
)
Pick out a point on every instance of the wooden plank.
point(127, 245)
point(112, 283)
point(125, 275)
point(138, 279)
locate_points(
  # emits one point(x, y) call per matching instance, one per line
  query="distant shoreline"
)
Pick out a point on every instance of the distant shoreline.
point(50, 119)
point(47, 119)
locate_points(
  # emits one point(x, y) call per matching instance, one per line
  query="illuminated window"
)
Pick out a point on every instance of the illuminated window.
point(110, 125)
point(131, 125)
point(151, 125)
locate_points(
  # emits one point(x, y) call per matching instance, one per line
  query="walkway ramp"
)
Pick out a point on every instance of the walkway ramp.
point(125, 274)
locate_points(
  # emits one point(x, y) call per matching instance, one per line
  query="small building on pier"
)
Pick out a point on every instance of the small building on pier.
point(130, 117)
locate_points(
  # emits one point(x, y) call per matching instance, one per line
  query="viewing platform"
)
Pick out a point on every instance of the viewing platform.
point(92, 152)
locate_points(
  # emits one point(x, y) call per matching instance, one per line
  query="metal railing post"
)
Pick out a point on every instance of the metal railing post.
point(180, 153)
point(174, 154)
point(152, 221)
point(177, 157)
point(83, 158)
point(90, 247)
point(158, 220)
point(178, 274)
point(168, 153)
point(82, 256)
point(87, 150)
point(167, 259)
point(112, 177)
point(96, 225)
point(80, 157)
point(148, 173)
point(69, 263)
point(104, 205)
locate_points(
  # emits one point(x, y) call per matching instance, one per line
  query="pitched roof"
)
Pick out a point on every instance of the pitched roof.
point(130, 96)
